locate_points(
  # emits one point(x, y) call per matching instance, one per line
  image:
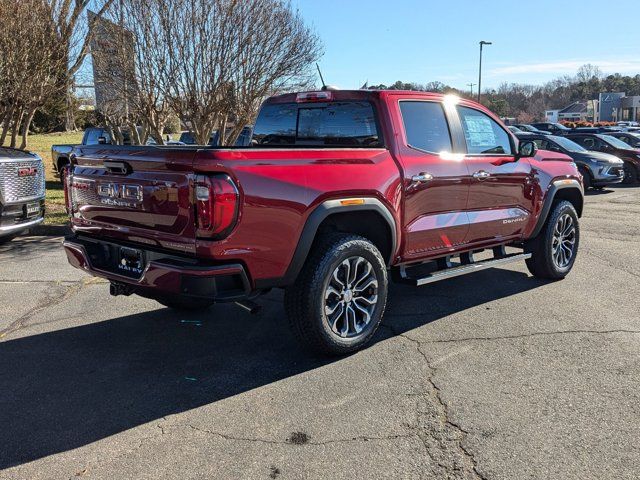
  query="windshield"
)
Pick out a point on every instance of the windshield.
point(568, 145)
point(615, 142)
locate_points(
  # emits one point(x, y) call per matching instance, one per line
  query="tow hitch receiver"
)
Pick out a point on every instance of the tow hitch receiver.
point(116, 289)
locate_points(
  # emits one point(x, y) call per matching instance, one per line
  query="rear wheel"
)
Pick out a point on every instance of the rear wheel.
point(630, 174)
point(554, 249)
point(338, 300)
point(185, 304)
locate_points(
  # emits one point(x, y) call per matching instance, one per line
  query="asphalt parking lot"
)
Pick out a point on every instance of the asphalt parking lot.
point(495, 375)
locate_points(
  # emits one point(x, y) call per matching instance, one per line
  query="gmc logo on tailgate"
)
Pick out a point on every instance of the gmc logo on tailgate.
point(27, 171)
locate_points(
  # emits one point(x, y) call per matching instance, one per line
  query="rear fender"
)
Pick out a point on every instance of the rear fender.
point(310, 230)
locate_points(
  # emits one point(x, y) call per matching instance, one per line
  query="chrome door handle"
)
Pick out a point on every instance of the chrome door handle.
point(481, 175)
point(423, 177)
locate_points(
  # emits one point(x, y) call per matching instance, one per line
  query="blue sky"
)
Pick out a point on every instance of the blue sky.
point(420, 41)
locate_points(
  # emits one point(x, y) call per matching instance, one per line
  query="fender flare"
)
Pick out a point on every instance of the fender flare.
point(310, 229)
point(553, 189)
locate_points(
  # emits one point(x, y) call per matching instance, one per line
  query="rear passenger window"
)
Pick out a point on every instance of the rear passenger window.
point(426, 126)
point(482, 134)
point(331, 124)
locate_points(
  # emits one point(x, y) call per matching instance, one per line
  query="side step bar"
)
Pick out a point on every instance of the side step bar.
point(463, 269)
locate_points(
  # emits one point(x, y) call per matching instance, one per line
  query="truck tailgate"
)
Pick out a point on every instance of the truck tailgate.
point(135, 194)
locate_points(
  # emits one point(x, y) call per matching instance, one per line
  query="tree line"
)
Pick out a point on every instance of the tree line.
point(205, 63)
point(528, 103)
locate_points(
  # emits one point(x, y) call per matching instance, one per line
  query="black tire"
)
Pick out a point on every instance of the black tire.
point(630, 174)
point(185, 304)
point(62, 170)
point(307, 301)
point(586, 177)
point(544, 262)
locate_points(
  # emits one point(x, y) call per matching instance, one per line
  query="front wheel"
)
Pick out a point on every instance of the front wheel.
point(630, 174)
point(586, 177)
point(338, 300)
point(553, 251)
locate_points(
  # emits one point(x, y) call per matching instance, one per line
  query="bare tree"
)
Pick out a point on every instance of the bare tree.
point(29, 65)
point(212, 62)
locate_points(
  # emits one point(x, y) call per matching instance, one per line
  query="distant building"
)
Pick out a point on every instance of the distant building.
point(551, 115)
point(610, 105)
point(580, 111)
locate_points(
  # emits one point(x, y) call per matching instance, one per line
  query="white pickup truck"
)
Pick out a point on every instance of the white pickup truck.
point(22, 191)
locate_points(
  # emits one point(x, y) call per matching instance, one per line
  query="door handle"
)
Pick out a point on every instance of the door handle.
point(481, 175)
point(423, 177)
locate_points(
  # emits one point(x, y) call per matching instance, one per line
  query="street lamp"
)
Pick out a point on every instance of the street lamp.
point(482, 42)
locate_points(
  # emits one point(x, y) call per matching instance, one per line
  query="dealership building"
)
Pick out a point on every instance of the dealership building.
point(617, 107)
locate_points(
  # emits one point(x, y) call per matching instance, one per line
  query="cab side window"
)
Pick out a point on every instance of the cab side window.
point(482, 134)
point(426, 126)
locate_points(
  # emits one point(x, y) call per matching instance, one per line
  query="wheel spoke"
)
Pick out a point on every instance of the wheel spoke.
point(372, 283)
point(337, 279)
point(347, 265)
point(330, 310)
point(369, 301)
point(336, 319)
point(331, 291)
point(361, 278)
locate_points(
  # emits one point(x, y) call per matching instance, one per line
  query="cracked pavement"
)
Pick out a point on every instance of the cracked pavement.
point(494, 375)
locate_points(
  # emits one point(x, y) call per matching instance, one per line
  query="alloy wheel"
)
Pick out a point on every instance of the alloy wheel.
point(350, 297)
point(564, 240)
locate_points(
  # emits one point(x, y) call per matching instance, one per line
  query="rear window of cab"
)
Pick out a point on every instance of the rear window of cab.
point(322, 124)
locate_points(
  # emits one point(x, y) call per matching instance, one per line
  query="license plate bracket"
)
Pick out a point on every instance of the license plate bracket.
point(130, 261)
point(32, 209)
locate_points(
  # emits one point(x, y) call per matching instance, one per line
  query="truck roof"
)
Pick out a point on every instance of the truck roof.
point(354, 95)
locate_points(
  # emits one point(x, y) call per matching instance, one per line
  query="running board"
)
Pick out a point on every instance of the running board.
point(464, 269)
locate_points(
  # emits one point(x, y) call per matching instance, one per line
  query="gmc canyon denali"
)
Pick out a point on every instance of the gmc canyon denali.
point(21, 192)
point(339, 192)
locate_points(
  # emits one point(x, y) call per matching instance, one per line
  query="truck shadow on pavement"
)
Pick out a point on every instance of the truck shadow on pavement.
point(68, 388)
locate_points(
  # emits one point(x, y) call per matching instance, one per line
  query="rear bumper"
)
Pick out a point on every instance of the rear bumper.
point(162, 274)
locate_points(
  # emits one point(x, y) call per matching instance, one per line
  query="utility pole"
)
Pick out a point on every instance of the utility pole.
point(482, 43)
point(471, 85)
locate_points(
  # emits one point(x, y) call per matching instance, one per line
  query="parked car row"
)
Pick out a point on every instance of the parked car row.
point(605, 155)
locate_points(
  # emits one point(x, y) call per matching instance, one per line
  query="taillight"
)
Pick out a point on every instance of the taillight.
point(65, 176)
point(217, 202)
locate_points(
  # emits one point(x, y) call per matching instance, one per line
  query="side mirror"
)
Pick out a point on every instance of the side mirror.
point(102, 140)
point(527, 149)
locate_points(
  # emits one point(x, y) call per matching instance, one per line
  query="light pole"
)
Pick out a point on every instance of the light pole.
point(471, 85)
point(482, 42)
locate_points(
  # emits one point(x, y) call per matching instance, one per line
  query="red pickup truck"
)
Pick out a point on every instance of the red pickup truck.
point(339, 192)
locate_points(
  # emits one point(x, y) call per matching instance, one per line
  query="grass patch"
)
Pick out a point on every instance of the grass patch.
point(41, 145)
point(55, 213)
